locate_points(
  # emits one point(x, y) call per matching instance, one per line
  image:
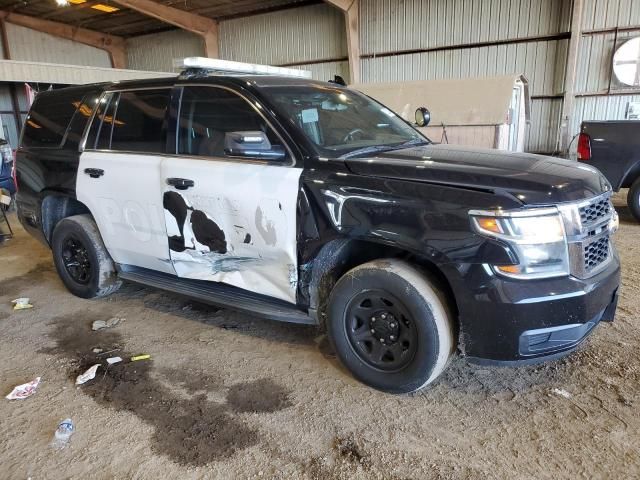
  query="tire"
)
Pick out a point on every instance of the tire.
point(418, 331)
point(81, 259)
point(633, 199)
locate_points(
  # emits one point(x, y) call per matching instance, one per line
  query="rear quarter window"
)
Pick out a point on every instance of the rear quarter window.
point(49, 119)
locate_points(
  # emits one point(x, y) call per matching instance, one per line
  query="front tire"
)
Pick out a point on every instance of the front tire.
point(81, 259)
point(391, 326)
point(633, 199)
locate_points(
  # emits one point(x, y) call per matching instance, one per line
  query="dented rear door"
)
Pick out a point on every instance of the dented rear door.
point(229, 219)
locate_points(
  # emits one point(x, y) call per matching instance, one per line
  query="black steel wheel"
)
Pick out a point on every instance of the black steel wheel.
point(390, 326)
point(81, 259)
point(75, 258)
point(380, 330)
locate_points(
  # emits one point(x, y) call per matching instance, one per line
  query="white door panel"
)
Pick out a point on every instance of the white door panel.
point(126, 204)
point(236, 225)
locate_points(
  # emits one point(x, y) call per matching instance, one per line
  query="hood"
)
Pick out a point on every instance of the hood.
point(532, 179)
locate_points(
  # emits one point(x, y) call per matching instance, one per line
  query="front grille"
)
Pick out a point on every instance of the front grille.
point(595, 211)
point(595, 253)
point(587, 228)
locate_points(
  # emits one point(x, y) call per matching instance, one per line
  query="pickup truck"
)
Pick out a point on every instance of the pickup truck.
point(308, 202)
point(613, 147)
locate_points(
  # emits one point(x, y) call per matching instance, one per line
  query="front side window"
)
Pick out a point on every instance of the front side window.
point(132, 121)
point(339, 121)
point(215, 122)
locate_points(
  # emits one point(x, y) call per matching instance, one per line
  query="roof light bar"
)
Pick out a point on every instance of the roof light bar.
point(227, 66)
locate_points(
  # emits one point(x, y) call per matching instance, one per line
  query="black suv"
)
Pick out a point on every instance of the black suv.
point(308, 202)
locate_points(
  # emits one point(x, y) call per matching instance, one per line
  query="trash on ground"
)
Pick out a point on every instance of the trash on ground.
point(112, 360)
point(112, 322)
point(561, 392)
point(97, 350)
point(63, 434)
point(90, 374)
point(23, 391)
point(140, 357)
point(21, 303)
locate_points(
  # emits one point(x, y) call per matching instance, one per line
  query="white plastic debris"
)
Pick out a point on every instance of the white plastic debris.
point(113, 360)
point(21, 303)
point(23, 391)
point(561, 392)
point(97, 350)
point(90, 374)
point(112, 322)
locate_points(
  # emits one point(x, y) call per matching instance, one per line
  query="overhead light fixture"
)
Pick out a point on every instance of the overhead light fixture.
point(105, 8)
point(62, 3)
point(77, 2)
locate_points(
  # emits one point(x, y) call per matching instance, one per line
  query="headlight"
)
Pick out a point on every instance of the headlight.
point(537, 237)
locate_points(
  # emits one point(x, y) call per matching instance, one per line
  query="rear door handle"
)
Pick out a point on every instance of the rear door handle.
point(94, 172)
point(180, 183)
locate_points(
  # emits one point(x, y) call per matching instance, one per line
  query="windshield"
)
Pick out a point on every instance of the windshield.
point(341, 122)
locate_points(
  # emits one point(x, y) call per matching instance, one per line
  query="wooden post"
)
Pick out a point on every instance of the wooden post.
point(351, 8)
point(206, 27)
point(568, 106)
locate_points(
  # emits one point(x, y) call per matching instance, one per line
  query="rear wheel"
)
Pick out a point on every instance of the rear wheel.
point(633, 199)
point(81, 259)
point(391, 326)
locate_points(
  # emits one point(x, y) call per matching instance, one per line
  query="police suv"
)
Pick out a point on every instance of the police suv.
point(309, 202)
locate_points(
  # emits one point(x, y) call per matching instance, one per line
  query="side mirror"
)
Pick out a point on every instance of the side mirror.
point(423, 117)
point(252, 144)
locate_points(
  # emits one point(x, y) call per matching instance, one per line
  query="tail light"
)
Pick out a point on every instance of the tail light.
point(584, 147)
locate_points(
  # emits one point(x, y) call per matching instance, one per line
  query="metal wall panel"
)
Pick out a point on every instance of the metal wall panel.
point(609, 107)
point(326, 71)
point(601, 14)
point(543, 63)
point(305, 34)
point(544, 127)
point(32, 45)
point(156, 52)
point(392, 25)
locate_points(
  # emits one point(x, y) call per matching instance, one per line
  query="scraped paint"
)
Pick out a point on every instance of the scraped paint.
point(266, 228)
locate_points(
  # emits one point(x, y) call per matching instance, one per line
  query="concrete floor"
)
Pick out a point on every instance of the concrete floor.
point(229, 396)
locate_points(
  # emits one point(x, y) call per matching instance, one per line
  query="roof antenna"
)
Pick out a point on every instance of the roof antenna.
point(337, 79)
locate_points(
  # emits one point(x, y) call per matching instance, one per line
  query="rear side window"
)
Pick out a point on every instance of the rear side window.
point(134, 121)
point(49, 119)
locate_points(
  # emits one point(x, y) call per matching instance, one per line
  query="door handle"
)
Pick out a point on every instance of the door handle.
point(94, 172)
point(180, 183)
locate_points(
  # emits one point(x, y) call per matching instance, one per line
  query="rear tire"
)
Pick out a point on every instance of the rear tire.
point(81, 259)
point(633, 199)
point(391, 326)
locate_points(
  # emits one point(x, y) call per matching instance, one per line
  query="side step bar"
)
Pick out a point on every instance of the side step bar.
point(216, 293)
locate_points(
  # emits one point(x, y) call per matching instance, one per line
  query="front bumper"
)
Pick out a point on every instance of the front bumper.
point(528, 321)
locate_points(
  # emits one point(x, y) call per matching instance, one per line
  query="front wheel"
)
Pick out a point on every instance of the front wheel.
point(81, 259)
point(391, 326)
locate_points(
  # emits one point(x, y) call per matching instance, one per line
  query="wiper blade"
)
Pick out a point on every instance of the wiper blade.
point(385, 148)
point(366, 150)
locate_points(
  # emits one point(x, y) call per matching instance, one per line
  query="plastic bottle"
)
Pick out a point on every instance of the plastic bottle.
point(63, 434)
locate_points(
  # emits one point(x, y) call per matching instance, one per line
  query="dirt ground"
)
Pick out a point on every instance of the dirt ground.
point(230, 396)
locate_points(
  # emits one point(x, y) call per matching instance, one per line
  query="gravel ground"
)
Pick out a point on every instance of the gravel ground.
point(230, 396)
